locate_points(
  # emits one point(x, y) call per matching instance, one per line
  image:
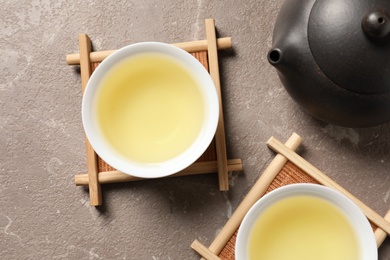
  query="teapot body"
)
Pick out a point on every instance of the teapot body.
point(307, 83)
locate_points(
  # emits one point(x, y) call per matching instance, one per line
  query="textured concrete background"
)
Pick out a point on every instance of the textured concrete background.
point(43, 215)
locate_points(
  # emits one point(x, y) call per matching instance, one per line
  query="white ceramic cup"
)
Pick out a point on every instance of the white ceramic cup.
point(358, 221)
point(159, 169)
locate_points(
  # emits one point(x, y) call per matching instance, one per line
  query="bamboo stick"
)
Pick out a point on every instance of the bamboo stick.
point(380, 234)
point(278, 147)
point(86, 69)
point(220, 140)
point(193, 46)
point(95, 195)
point(196, 168)
point(203, 251)
point(254, 195)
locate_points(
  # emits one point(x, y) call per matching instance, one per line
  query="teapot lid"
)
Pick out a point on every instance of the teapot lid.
point(350, 41)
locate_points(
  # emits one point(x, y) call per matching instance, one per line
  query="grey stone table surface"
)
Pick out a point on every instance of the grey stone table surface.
point(43, 215)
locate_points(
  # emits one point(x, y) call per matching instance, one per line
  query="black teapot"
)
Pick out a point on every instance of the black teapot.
point(333, 58)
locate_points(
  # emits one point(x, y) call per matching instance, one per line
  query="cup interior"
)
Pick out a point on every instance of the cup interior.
point(151, 169)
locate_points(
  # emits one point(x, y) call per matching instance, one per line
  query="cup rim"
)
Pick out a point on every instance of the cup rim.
point(173, 165)
point(351, 211)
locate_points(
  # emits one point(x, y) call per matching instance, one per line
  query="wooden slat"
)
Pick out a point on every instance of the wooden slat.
point(204, 167)
point(95, 195)
point(193, 46)
point(220, 140)
point(380, 234)
point(203, 251)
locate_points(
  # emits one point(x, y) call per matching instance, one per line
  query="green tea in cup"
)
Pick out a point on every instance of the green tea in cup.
point(302, 228)
point(149, 107)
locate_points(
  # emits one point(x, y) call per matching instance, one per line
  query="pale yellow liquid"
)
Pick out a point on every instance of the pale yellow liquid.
point(150, 108)
point(303, 228)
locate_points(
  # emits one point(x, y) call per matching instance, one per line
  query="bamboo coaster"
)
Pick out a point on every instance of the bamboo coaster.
point(286, 168)
point(214, 160)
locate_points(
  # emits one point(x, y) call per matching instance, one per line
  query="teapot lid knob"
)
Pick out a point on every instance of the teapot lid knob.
point(376, 24)
point(350, 42)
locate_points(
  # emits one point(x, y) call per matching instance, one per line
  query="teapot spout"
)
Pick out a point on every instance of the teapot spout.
point(275, 56)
